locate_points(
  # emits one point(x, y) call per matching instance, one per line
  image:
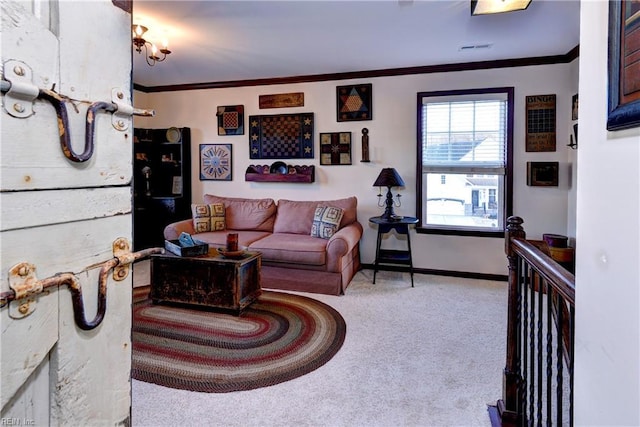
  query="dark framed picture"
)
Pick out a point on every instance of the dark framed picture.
point(354, 102)
point(230, 120)
point(574, 107)
point(335, 148)
point(215, 162)
point(624, 68)
point(542, 174)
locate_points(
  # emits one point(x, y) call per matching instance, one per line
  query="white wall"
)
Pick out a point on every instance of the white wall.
point(607, 374)
point(393, 144)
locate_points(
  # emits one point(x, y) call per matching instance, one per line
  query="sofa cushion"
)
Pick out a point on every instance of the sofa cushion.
point(326, 221)
point(246, 214)
point(219, 238)
point(292, 249)
point(209, 217)
point(297, 216)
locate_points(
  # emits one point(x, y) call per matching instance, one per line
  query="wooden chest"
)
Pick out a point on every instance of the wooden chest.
point(210, 280)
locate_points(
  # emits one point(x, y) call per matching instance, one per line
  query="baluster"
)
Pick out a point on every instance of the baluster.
point(560, 359)
point(550, 297)
point(539, 325)
point(532, 361)
point(572, 334)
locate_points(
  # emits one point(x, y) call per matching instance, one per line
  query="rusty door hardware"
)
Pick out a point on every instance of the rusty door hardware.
point(25, 285)
point(21, 93)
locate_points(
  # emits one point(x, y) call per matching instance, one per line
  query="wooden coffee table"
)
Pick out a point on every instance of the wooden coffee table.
point(209, 280)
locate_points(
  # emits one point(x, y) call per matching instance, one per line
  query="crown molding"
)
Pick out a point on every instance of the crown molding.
point(388, 72)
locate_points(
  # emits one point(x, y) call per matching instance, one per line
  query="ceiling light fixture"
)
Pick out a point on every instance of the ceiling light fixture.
point(486, 7)
point(139, 42)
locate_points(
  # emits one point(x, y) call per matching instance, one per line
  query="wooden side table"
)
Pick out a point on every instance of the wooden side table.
point(393, 256)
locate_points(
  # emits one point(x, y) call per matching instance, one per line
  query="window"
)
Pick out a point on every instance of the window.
point(465, 143)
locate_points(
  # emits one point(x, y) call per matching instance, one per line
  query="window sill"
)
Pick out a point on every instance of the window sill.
point(457, 232)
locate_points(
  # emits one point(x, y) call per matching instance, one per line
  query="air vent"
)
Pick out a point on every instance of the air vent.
point(469, 47)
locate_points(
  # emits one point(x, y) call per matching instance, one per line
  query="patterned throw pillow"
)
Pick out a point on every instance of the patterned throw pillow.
point(326, 221)
point(208, 217)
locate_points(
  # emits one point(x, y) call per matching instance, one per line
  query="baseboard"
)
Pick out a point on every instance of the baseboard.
point(462, 274)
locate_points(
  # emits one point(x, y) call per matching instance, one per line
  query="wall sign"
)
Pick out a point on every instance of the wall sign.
point(541, 123)
point(281, 100)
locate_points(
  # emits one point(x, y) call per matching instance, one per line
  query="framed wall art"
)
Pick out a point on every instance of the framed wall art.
point(354, 102)
point(335, 148)
point(542, 174)
point(215, 162)
point(624, 68)
point(281, 136)
point(230, 120)
point(541, 123)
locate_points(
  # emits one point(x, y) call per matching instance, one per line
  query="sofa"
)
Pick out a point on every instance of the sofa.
point(308, 246)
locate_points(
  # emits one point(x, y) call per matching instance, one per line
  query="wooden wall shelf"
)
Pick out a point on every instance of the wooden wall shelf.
point(262, 173)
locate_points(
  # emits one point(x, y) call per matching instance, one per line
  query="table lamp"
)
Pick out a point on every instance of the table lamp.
point(388, 177)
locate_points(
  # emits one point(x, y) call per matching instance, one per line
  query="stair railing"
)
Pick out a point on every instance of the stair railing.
point(538, 374)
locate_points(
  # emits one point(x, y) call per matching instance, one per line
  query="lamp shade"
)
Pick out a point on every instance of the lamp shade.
point(487, 7)
point(389, 177)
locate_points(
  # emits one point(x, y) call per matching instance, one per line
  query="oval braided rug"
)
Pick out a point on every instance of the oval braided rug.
point(277, 338)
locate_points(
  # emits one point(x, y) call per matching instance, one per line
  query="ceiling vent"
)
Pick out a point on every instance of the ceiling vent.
point(470, 47)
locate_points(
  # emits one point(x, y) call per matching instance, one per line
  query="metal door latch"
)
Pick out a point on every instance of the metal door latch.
point(25, 286)
point(21, 93)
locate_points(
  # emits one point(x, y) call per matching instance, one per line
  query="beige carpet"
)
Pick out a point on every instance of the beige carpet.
point(426, 356)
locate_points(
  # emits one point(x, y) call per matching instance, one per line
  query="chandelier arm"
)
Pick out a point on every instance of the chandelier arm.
point(147, 56)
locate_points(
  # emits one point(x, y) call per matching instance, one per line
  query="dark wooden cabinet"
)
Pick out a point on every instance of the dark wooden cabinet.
point(161, 182)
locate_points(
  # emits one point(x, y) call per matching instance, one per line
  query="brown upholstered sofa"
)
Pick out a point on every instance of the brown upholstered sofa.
point(292, 259)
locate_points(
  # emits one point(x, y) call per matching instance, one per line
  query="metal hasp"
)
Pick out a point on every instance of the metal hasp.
point(20, 94)
point(25, 286)
point(20, 90)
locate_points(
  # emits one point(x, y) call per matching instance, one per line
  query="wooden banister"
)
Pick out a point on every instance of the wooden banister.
point(539, 351)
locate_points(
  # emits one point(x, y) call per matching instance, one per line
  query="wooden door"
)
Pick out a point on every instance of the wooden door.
point(63, 216)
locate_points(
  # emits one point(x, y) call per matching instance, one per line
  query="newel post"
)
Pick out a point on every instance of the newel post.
point(508, 406)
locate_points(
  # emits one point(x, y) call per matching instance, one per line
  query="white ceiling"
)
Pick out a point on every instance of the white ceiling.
point(218, 41)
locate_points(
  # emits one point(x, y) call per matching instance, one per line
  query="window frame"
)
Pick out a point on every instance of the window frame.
point(508, 177)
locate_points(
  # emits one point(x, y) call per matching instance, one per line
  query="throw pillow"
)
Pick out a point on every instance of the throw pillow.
point(208, 217)
point(326, 221)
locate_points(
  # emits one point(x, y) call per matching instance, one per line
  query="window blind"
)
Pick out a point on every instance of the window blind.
point(468, 134)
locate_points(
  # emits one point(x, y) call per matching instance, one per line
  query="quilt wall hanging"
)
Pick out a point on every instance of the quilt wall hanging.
point(354, 102)
point(281, 136)
point(335, 148)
